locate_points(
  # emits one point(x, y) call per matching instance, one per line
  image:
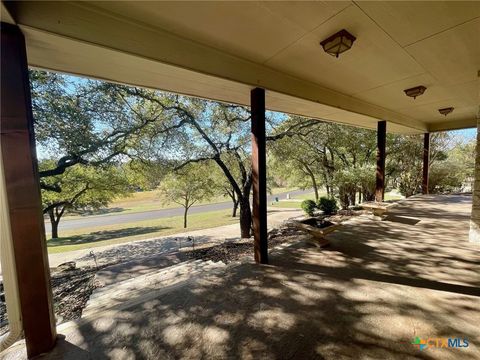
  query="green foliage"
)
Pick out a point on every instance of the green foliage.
point(79, 189)
point(84, 188)
point(404, 162)
point(96, 123)
point(327, 205)
point(366, 181)
point(454, 169)
point(191, 184)
point(187, 186)
point(446, 176)
point(309, 207)
point(145, 175)
point(293, 158)
point(328, 155)
point(347, 183)
point(405, 159)
point(94, 128)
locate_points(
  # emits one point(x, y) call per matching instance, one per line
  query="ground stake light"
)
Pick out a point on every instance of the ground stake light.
point(338, 43)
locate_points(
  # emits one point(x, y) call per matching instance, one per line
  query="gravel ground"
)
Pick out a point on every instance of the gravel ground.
point(3, 311)
point(234, 251)
point(71, 290)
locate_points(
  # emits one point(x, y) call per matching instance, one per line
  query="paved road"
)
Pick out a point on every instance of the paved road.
point(90, 221)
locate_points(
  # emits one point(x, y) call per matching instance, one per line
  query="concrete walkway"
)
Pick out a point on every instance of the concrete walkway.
point(380, 285)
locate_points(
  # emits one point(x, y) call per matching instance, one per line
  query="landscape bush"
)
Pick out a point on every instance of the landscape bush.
point(309, 207)
point(327, 205)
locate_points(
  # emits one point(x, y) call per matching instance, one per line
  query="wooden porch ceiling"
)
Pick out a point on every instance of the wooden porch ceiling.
point(222, 50)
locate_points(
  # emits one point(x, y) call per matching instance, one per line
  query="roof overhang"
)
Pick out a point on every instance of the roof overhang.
point(120, 42)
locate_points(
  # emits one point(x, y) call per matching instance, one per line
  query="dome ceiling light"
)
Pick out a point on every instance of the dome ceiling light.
point(338, 43)
point(445, 111)
point(415, 91)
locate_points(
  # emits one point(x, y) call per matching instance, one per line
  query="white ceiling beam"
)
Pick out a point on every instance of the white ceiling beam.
point(452, 125)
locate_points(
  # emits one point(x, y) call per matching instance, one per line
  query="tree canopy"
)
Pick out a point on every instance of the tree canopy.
point(157, 138)
point(188, 186)
point(83, 188)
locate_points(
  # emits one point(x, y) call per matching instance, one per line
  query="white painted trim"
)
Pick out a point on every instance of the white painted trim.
point(7, 258)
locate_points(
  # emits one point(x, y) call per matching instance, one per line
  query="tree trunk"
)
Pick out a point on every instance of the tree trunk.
point(235, 207)
point(314, 181)
point(54, 229)
point(353, 197)
point(185, 218)
point(54, 223)
point(233, 196)
point(245, 217)
point(344, 198)
point(368, 196)
point(315, 189)
point(326, 180)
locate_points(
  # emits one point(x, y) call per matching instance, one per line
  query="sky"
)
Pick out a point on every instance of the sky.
point(467, 134)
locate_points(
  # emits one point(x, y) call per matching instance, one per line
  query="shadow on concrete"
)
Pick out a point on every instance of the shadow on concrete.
point(378, 286)
point(402, 219)
point(259, 312)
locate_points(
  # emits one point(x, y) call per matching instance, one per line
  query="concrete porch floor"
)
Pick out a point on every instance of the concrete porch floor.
point(378, 286)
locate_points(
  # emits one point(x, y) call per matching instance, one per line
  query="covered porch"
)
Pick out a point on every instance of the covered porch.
point(269, 59)
point(380, 285)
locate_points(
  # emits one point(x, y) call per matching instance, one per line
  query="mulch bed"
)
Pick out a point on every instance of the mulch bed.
point(71, 290)
point(3, 311)
point(234, 251)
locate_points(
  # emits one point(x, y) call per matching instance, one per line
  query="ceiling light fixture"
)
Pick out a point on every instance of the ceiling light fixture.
point(338, 43)
point(445, 111)
point(415, 91)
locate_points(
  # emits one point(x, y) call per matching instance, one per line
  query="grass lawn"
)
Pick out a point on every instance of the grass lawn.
point(133, 231)
point(122, 233)
point(393, 196)
point(152, 200)
point(296, 204)
point(286, 204)
point(310, 196)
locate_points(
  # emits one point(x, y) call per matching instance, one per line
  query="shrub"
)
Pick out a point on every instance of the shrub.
point(308, 206)
point(327, 205)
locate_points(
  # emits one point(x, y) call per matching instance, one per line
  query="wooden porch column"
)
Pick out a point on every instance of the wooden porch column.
point(380, 181)
point(426, 161)
point(23, 194)
point(259, 176)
